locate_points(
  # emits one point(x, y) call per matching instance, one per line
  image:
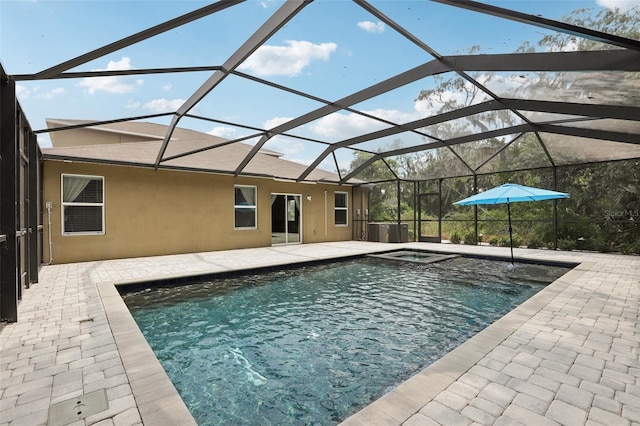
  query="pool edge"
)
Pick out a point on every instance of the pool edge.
point(159, 402)
point(156, 397)
point(401, 403)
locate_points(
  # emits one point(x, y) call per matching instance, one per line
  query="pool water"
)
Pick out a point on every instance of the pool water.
point(313, 345)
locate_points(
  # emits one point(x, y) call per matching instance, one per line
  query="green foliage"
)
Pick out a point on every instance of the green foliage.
point(617, 22)
point(504, 242)
point(455, 238)
point(470, 238)
point(534, 242)
point(604, 208)
point(566, 244)
point(517, 241)
point(630, 248)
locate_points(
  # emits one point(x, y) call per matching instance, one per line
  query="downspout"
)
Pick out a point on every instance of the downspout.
point(326, 228)
point(555, 210)
point(399, 234)
point(440, 209)
point(416, 204)
point(475, 208)
point(48, 205)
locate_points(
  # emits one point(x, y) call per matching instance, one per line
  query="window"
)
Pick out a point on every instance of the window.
point(245, 207)
point(341, 208)
point(82, 204)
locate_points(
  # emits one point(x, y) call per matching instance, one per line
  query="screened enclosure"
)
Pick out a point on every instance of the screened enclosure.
point(426, 102)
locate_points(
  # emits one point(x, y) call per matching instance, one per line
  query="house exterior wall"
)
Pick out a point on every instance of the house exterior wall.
point(89, 136)
point(150, 213)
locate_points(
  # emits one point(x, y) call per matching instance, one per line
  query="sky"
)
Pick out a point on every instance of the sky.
point(330, 49)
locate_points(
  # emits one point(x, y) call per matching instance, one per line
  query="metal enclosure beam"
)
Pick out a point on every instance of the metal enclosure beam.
point(133, 39)
point(572, 109)
point(276, 21)
point(545, 128)
point(548, 24)
point(414, 74)
point(599, 60)
point(452, 115)
point(8, 201)
point(33, 208)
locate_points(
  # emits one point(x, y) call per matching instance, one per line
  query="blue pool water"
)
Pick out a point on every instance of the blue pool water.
point(313, 345)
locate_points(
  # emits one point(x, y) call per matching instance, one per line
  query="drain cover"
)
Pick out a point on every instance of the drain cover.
point(77, 408)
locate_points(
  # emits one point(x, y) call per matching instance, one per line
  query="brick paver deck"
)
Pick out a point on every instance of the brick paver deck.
point(569, 355)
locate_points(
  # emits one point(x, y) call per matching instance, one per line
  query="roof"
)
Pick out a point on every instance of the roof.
point(209, 153)
point(141, 129)
point(573, 100)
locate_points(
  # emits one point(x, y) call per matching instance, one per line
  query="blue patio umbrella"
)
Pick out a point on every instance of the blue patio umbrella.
point(511, 193)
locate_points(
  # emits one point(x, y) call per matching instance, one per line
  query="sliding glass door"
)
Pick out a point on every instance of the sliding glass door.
point(286, 219)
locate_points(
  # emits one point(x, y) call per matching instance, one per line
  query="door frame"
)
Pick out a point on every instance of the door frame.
point(286, 211)
point(429, 238)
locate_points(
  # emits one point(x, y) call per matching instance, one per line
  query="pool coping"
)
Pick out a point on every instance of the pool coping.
point(159, 402)
point(407, 399)
point(156, 397)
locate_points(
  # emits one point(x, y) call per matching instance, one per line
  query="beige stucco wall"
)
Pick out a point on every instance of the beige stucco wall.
point(160, 212)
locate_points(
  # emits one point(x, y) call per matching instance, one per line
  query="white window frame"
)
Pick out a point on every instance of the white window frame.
point(345, 208)
point(69, 203)
point(255, 208)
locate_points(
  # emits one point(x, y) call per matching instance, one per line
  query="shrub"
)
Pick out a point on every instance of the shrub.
point(504, 242)
point(517, 240)
point(629, 248)
point(470, 238)
point(534, 242)
point(493, 241)
point(566, 244)
point(597, 243)
point(455, 238)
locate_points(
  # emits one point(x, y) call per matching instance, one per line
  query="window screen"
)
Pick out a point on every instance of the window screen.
point(341, 208)
point(245, 207)
point(82, 204)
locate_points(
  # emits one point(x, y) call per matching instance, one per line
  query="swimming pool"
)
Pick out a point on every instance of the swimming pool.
point(314, 344)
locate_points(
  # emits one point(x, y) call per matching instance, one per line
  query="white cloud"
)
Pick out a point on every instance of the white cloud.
point(266, 4)
point(283, 145)
point(223, 132)
point(44, 140)
point(51, 93)
point(167, 87)
point(327, 164)
point(115, 84)
point(617, 4)
point(286, 146)
point(163, 105)
point(276, 121)
point(345, 125)
point(572, 45)
point(372, 27)
point(22, 92)
point(133, 104)
point(287, 60)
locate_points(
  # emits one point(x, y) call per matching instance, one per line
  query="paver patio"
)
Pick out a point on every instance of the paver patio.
point(569, 355)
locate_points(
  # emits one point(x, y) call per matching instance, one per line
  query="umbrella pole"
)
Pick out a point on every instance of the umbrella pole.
point(510, 231)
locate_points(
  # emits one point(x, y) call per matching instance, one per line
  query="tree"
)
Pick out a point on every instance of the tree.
point(604, 197)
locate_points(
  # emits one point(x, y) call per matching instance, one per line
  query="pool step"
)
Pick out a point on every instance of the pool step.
point(415, 256)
